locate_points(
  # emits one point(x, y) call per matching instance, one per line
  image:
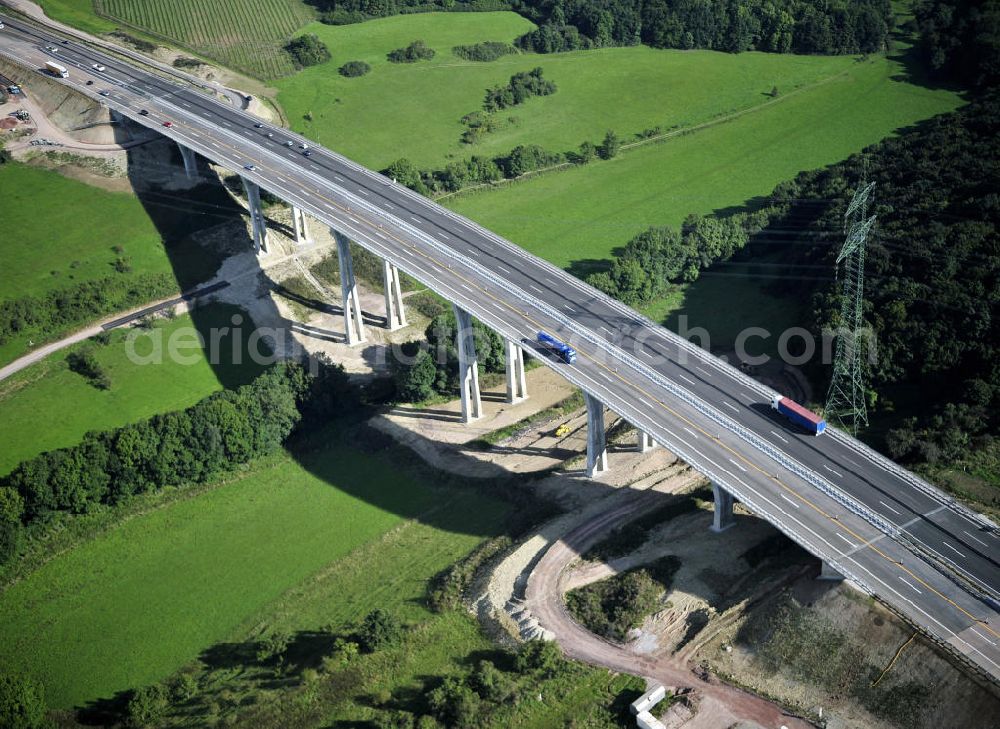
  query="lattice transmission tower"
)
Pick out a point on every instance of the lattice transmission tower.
point(845, 401)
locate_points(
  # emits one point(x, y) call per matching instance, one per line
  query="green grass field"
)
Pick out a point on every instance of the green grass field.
point(60, 231)
point(78, 13)
point(569, 217)
point(414, 110)
point(47, 406)
point(138, 602)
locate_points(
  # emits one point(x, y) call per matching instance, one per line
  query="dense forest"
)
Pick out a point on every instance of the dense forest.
point(960, 39)
point(778, 26)
point(933, 274)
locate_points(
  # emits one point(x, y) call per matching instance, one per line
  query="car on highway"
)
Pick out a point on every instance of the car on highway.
point(51, 49)
point(303, 146)
point(1, 26)
point(99, 67)
point(289, 143)
point(251, 168)
point(90, 82)
point(307, 153)
point(104, 92)
point(143, 112)
point(269, 135)
point(258, 125)
point(65, 42)
point(168, 123)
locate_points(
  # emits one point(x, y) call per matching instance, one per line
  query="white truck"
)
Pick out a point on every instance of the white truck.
point(56, 69)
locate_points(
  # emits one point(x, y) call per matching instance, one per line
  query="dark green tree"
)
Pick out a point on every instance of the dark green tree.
point(22, 705)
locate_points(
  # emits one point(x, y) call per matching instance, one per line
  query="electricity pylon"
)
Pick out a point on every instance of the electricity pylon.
point(845, 401)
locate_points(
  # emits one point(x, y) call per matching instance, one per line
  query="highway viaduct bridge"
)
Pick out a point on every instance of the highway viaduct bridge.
point(896, 537)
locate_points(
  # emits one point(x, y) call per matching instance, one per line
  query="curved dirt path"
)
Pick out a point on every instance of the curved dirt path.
point(721, 706)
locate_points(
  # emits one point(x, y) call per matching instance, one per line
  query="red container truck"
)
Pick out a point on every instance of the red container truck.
point(798, 414)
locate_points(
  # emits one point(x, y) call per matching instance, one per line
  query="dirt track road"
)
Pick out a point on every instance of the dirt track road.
point(721, 706)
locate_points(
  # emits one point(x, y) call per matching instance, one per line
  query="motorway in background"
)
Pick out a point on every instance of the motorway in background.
point(897, 537)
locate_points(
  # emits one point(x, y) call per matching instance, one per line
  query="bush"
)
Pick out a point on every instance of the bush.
point(147, 706)
point(454, 703)
point(307, 50)
point(521, 87)
point(610, 146)
point(11, 528)
point(186, 62)
point(485, 51)
point(21, 702)
point(541, 657)
point(380, 629)
point(353, 69)
point(416, 51)
point(85, 364)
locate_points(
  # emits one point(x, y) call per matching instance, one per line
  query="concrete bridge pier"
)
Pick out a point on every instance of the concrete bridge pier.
point(723, 518)
point(646, 442)
point(190, 162)
point(257, 221)
point(517, 386)
point(468, 365)
point(299, 224)
point(354, 326)
point(597, 447)
point(395, 316)
point(827, 572)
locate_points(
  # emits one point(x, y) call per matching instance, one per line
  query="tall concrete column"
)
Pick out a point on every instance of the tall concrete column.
point(517, 386)
point(827, 572)
point(468, 365)
point(299, 224)
point(597, 447)
point(354, 326)
point(190, 163)
point(395, 316)
point(257, 222)
point(723, 518)
point(646, 442)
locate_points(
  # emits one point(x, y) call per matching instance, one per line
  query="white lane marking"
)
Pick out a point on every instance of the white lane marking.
point(606, 377)
point(889, 507)
point(687, 379)
point(976, 631)
point(338, 178)
point(605, 329)
point(747, 400)
point(535, 288)
point(446, 237)
point(703, 370)
point(314, 167)
point(731, 406)
point(690, 431)
point(852, 461)
point(414, 218)
point(467, 288)
point(901, 579)
point(978, 540)
point(569, 308)
point(737, 465)
point(214, 145)
point(846, 539)
point(503, 268)
point(646, 354)
point(225, 123)
point(363, 191)
point(292, 155)
point(789, 501)
point(779, 437)
point(473, 251)
point(838, 474)
point(390, 206)
point(963, 556)
point(184, 103)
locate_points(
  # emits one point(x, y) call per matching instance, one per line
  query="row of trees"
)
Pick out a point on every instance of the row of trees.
point(485, 51)
point(218, 433)
point(416, 51)
point(661, 257)
point(84, 301)
point(779, 26)
point(521, 87)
